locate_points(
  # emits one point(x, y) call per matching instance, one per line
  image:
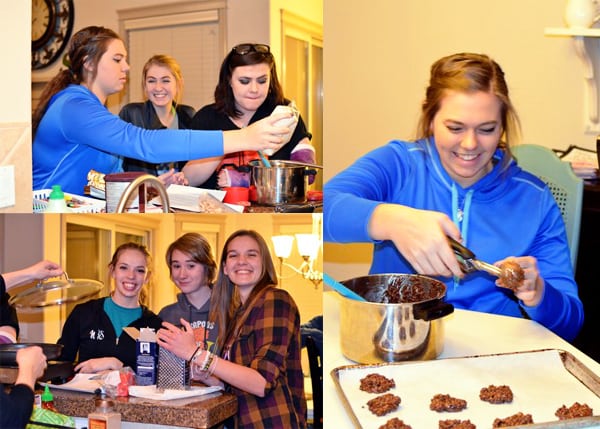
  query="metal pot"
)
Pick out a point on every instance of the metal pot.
point(401, 320)
point(285, 182)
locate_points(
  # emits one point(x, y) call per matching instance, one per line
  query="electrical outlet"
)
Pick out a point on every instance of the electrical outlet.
point(7, 186)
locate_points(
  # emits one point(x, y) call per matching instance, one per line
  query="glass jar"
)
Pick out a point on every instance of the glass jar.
point(105, 416)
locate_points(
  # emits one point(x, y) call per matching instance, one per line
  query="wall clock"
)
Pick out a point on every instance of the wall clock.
point(51, 27)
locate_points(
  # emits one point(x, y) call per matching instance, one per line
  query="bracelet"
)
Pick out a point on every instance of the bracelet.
point(208, 362)
point(212, 368)
point(204, 360)
point(194, 354)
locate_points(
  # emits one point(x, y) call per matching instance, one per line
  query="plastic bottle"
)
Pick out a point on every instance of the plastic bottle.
point(105, 416)
point(56, 201)
point(48, 400)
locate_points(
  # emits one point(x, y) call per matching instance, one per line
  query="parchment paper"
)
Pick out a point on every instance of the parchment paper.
point(151, 392)
point(539, 381)
point(80, 383)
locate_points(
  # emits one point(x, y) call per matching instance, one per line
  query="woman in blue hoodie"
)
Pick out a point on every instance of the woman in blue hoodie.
point(459, 179)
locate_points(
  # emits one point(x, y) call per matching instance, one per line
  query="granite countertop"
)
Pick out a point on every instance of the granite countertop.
point(198, 412)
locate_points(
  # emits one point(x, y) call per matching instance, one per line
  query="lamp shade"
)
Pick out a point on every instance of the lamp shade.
point(283, 245)
point(308, 245)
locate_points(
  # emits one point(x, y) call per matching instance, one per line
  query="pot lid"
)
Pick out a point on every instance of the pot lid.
point(56, 292)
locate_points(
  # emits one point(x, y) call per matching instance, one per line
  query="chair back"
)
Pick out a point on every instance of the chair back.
point(315, 362)
point(566, 187)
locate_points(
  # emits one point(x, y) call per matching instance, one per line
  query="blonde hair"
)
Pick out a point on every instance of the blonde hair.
point(173, 66)
point(468, 72)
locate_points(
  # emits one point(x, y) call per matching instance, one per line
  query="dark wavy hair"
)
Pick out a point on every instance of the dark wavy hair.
point(224, 99)
point(87, 45)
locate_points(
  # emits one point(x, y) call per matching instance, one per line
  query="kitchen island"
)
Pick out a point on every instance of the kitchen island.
point(203, 411)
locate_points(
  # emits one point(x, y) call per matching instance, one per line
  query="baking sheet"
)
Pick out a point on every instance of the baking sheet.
point(542, 381)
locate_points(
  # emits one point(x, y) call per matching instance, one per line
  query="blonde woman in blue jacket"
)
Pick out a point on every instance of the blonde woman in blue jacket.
point(459, 179)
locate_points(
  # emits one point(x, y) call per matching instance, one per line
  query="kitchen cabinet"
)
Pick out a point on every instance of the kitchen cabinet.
point(587, 273)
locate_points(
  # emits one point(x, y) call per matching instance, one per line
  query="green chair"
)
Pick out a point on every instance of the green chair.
point(566, 187)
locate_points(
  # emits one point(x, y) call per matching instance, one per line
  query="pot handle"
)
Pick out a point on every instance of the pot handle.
point(431, 310)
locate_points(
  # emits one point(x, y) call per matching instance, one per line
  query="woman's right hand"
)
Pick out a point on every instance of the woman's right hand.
point(92, 366)
point(180, 342)
point(420, 236)
point(261, 135)
point(32, 364)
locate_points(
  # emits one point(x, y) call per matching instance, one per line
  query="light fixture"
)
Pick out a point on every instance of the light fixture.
point(308, 247)
point(283, 248)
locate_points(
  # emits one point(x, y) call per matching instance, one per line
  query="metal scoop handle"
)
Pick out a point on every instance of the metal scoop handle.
point(468, 262)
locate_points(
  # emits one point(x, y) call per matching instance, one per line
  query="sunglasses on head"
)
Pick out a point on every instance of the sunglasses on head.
point(246, 48)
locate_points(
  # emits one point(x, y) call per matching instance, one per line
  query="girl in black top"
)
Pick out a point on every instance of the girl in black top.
point(94, 329)
point(248, 90)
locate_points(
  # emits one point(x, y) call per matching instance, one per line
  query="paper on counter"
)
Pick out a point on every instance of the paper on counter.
point(539, 382)
point(151, 392)
point(186, 197)
point(88, 383)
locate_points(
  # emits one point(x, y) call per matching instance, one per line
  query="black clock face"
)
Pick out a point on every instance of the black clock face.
point(51, 27)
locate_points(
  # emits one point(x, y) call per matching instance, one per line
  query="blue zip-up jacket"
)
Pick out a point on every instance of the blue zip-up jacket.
point(509, 212)
point(77, 134)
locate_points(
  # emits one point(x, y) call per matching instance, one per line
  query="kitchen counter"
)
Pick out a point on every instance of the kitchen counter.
point(467, 333)
point(198, 412)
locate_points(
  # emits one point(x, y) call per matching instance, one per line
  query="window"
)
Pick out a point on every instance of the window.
point(192, 33)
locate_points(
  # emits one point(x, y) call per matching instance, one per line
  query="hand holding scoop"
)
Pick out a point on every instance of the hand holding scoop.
point(510, 273)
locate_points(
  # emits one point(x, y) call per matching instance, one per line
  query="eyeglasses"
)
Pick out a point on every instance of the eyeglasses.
point(246, 48)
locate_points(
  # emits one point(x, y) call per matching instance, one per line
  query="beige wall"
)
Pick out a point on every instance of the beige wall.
point(377, 61)
point(15, 112)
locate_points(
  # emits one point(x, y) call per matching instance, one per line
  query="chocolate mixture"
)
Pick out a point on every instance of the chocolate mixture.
point(409, 290)
point(456, 424)
point(512, 275)
point(574, 411)
point(376, 383)
point(442, 402)
point(384, 404)
point(514, 420)
point(496, 394)
point(395, 423)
